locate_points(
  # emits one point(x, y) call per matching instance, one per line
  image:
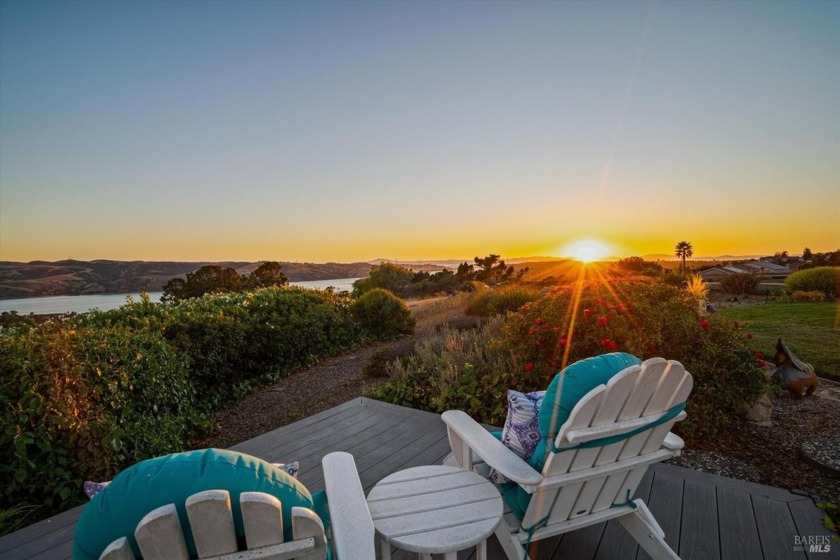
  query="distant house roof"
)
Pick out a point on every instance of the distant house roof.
point(745, 268)
point(735, 269)
point(773, 267)
point(712, 272)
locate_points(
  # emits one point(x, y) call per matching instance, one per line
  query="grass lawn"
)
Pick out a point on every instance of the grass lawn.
point(810, 330)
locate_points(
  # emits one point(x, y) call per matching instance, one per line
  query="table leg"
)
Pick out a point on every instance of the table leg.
point(385, 548)
point(450, 556)
point(481, 550)
point(425, 556)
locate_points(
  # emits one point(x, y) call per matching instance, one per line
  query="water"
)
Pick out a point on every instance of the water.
point(80, 304)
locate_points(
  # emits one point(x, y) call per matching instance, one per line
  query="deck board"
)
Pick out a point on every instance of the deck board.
point(699, 537)
point(704, 516)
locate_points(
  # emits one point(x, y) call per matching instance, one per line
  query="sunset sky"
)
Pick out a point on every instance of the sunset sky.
point(416, 130)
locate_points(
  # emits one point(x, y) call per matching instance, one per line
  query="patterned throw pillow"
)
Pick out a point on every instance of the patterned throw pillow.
point(521, 433)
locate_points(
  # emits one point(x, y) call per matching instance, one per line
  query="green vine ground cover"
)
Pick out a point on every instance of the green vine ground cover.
point(810, 330)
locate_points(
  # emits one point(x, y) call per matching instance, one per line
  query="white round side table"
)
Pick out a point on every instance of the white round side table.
point(434, 510)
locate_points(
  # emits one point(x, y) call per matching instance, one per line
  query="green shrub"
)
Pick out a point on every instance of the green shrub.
point(382, 314)
point(740, 284)
point(82, 403)
point(237, 341)
point(825, 279)
point(387, 276)
point(501, 300)
point(814, 295)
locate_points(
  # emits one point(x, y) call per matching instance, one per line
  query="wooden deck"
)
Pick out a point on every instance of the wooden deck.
point(705, 517)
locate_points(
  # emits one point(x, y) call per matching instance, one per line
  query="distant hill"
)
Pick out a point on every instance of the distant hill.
point(41, 278)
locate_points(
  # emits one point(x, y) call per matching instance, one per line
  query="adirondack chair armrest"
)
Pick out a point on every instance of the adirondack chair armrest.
point(352, 526)
point(477, 440)
point(673, 442)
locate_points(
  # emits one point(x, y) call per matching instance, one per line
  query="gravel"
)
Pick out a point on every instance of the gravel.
point(772, 454)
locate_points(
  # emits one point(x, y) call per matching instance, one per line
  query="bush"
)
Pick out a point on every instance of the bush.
point(382, 314)
point(82, 403)
point(814, 295)
point(739, 284)
point(387, 276)
point(645, 320)
point(237, 341)
point(472, 370)
point(501, 300)
point(825, 279)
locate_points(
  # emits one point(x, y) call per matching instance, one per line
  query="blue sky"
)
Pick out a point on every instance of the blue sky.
point(345, 131)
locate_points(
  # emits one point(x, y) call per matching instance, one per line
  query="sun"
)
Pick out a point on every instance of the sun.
point(586, 250)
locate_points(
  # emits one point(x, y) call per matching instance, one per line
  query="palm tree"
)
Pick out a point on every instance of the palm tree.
point(684, 251)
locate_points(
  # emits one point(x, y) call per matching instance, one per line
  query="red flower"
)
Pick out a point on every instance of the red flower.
point(704, 324)
point(736, 324)
point(612, 345)
point(546, 326)
point(532, 330)
point(763, 363)
point(538, 342)
point(587, 312)
point(529, 366)
point(749, 336)
point(556, 329)
point(602, 321)
point(524, 308)
point(539, 321)
point(563, 341)
point(759, 355)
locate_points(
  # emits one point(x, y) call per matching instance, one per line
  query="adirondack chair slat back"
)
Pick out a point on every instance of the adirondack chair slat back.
point(637, 392)
point(159, 534)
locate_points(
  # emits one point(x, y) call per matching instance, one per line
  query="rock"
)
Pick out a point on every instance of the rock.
point(759, 412)
point(794, 375)
point(825, 453)
point(829, 394)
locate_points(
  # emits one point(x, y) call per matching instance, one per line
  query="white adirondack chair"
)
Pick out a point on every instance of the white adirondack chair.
point(159, 534)
point(585, 486)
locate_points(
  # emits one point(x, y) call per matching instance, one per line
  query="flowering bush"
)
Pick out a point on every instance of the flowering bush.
point(525, 349)
point(644, 319)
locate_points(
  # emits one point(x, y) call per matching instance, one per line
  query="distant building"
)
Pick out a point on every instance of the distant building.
point(761, 266)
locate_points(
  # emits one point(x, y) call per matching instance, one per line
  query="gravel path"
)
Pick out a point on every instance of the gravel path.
point(329, 383)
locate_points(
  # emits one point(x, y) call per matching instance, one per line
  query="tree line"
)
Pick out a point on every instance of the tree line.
point(213, 279)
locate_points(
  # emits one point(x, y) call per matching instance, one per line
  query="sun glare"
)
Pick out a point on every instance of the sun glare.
point(586, 250)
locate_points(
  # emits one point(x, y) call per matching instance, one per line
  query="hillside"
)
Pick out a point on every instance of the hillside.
point(41, 278)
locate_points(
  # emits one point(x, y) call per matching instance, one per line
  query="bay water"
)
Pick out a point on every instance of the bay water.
point(80, 304)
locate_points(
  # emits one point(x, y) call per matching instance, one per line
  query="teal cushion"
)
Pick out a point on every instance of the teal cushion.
point(567, 388)
point(563, 393)
point(118, 508)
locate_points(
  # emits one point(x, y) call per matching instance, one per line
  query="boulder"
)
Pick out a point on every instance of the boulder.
point(759, 412)
point(794, 375)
